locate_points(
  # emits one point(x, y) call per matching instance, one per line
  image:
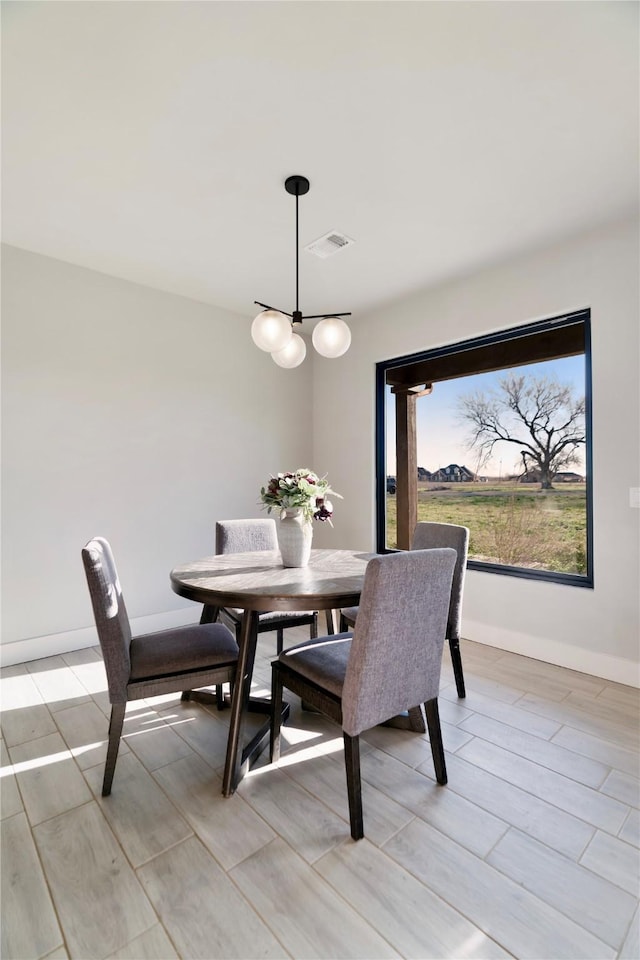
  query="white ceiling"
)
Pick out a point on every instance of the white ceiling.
point(151, 140)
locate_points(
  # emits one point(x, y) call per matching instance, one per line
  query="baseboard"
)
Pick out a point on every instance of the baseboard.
point(35, 648)
point(552, 651)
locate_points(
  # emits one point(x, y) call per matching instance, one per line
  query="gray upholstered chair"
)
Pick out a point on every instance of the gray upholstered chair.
point(391, 662)
point(183, 658)
point(428, 536)
point(245, 536)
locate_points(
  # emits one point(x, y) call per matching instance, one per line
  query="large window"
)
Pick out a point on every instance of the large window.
point(495, 434)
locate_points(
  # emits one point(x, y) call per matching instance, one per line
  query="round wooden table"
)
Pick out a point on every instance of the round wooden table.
point(257, 582)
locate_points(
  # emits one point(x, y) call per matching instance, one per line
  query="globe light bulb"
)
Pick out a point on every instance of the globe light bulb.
point(293, 354)
point(271, 330)
point(331, 337)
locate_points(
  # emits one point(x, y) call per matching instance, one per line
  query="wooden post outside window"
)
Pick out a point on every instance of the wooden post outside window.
point(407, 461)
point(406, 468)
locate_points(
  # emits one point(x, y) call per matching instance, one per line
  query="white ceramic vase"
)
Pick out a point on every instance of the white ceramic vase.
point(295, 534)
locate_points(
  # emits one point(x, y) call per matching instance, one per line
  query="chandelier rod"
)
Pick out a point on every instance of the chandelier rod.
point(307, 316)
point(298, 186)
point(297, 255)
point(322, 316)
point(269, 307)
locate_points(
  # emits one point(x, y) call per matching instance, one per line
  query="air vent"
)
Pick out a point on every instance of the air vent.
point(331, 243)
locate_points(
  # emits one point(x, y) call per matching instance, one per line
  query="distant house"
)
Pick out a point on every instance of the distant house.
point(563, 476)
point(453, 474)
point(566, 476)
point(422, 475)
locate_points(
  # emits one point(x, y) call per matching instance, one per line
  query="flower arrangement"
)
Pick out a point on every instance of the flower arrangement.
point(303, 489)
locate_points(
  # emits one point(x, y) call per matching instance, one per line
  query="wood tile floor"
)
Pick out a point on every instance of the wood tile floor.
point(530, 851)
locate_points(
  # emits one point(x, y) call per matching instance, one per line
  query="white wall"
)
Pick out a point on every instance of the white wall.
point(596, 631)
point(132, 414)
point(121, 417)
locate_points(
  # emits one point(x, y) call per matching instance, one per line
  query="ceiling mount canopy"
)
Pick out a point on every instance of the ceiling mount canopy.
point(272, 330)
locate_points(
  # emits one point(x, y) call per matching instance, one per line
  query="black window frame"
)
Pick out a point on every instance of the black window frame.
point(487, 340)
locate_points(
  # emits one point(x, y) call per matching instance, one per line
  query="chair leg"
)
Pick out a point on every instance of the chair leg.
point(220, 696)
point(279, 640)
point(354, 785)
point(435, 736)
point(456, 660)
point(276, 714)
point(186, 695)
point(343, 624)
point(115, 731)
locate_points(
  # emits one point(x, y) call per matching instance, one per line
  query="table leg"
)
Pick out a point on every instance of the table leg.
point(209, 614)
point(412, 719)
point(332, 621)
point(240, 756)
point(240, 700)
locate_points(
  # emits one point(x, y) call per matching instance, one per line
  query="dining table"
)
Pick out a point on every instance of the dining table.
point(257, 582)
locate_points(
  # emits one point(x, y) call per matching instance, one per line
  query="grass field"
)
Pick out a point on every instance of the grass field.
point(510, 523)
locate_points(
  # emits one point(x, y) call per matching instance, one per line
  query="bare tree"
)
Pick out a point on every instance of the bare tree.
point(540, 415)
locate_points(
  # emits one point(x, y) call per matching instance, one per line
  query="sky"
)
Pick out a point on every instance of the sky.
point(442, 437)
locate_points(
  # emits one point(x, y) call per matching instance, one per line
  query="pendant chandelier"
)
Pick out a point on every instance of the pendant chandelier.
point(272, 330)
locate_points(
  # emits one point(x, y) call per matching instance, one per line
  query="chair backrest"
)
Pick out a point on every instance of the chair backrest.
point(427, 536)
point(110, 612)
point(245, 536)
point(396, 650)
